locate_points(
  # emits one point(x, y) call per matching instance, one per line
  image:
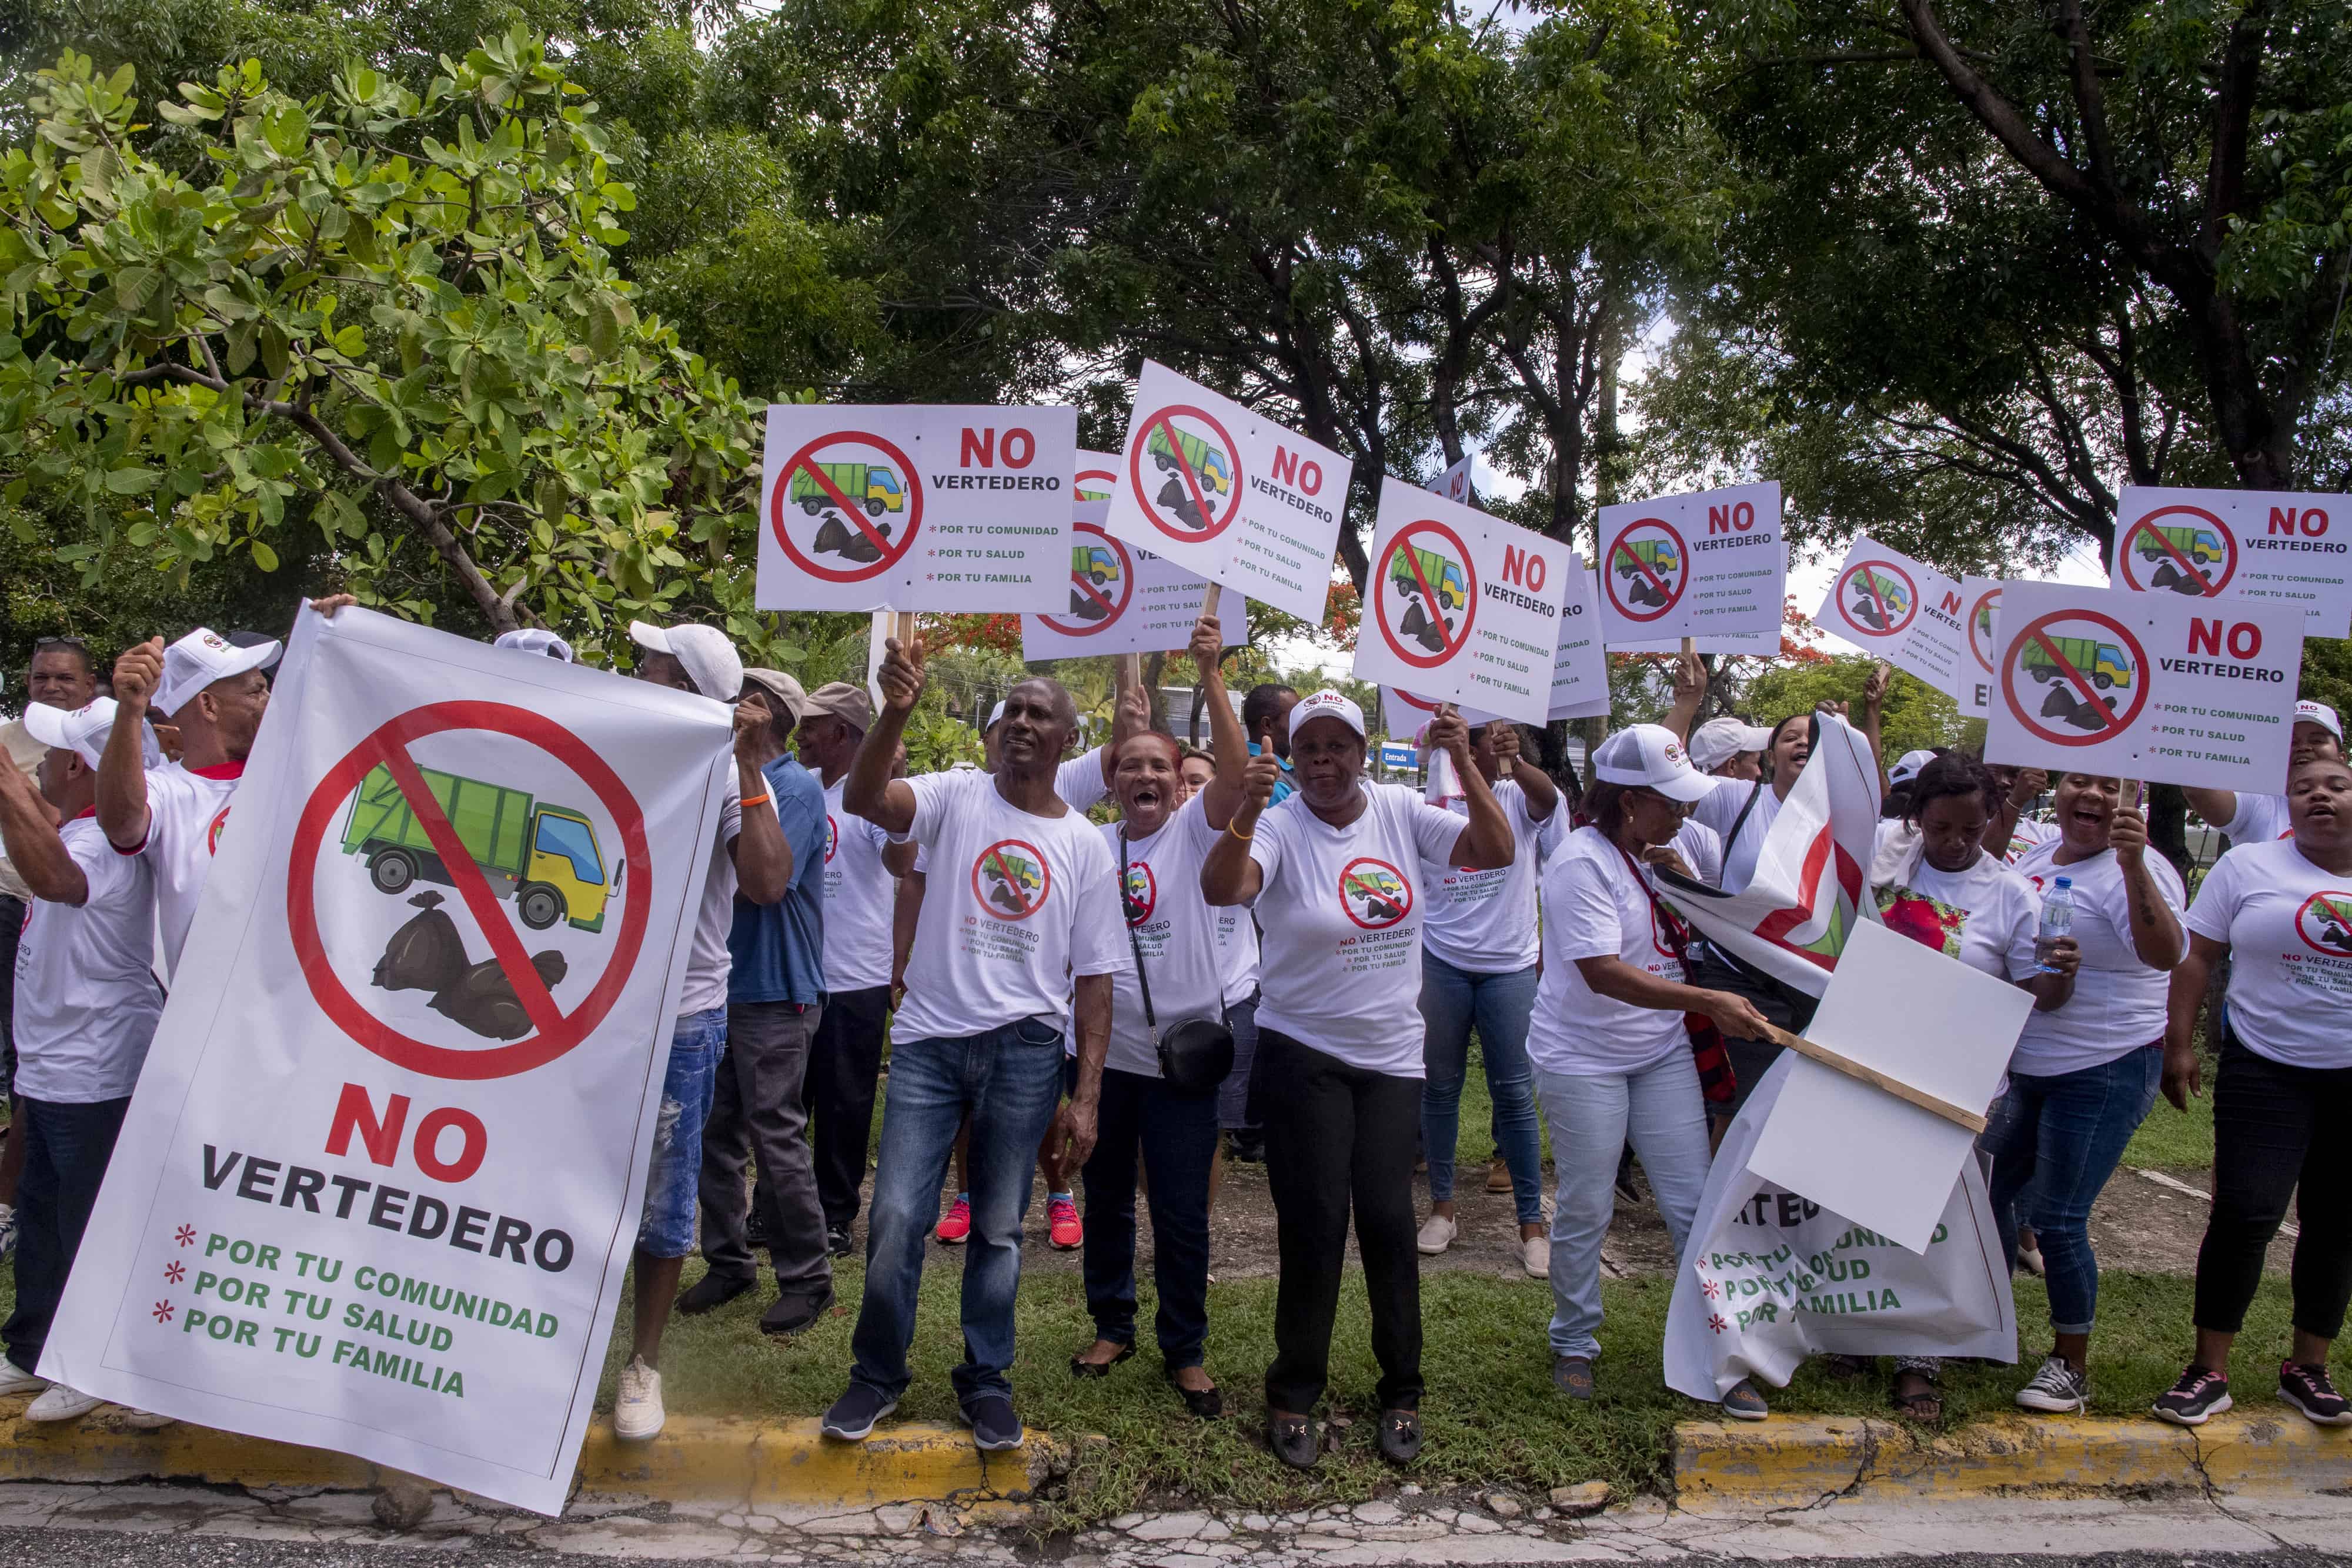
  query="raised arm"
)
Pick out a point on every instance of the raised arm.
point(1543, 795)
point(1230, 874)
point(1486, 841)
point(32, 843)
point(2219, 808)
point(1130, 715)
point(2154, 928)
point(2029, 784)
point(870, 791)
point(763, 856)
point(1223, 796)
point(1689, 675)
point(1874, 704)
point(123, 768)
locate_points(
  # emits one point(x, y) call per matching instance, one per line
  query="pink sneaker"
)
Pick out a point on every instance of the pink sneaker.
point(955, 1225)
point(1061, 1215)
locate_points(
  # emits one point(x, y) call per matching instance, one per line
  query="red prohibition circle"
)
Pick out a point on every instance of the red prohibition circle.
point(1837, 597)
point(1078, 485)
point(1135, 916)
point(213, 833)
point(1403, 881)
point(1045, 878)
point(2145, 525)
point(1070, 626)
point(1165, 419)
point(303, 916)
point(2339, 905)
point(1989, 598)
point(891, 554)
point(1417, 657)
point(832, 838)
point(1609, 572)
point(2123, 721)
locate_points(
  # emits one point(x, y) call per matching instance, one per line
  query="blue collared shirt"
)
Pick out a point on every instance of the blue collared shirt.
point(779, 948)
point(1283, 788)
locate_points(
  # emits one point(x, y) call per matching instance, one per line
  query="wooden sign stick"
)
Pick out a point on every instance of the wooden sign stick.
point(2131, 795)
point(1877, 1080)
point(902, 627)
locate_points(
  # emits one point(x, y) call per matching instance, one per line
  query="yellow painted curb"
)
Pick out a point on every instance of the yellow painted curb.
point(1788, 1462)
point(699, 1460)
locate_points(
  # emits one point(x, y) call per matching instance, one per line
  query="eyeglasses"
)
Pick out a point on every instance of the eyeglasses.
point(1679, 808)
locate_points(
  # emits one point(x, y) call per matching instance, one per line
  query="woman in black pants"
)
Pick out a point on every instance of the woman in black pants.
point(2282, 910)
point(1334, 874)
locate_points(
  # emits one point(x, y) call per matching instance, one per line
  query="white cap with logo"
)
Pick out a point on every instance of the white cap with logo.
point(2309, 711)
point(81, 730)
point(710, 660)
point(1719, 740)
point(1326, 703)
point(1647, 756)
point(199, 659)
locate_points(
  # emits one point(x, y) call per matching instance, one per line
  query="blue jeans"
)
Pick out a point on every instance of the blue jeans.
point(696, 1042)
point(1176, 1136)
point(1452, 999)
point(1233, 1095)
point(1009, 1080)
point(2056, 1140)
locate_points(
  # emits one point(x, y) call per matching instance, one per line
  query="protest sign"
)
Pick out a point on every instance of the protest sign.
point(1123, 598)
point(1227, 495)
point(1707, 564)
point(1461, 606)
point(1580, 670)
point(1771, 1278)
point(1454, 484)
point(1904, 612)
point(915, 507)
point(2145, 685)
point(1892, 1165)
point(1980, 613)
point(2262, 546)
point(1097, 477)
point(1408, 713)
point(377, 1186)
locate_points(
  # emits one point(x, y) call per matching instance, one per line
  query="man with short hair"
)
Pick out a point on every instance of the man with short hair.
point(1265, 719)
point(748, 851)
point(62, 673)
point(775, 997)
point(1729, 748)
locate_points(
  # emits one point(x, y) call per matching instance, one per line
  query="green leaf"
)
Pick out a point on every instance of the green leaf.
point(132, 481)
point(264, 557)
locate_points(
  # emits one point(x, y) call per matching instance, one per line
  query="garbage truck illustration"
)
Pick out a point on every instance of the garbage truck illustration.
point(2103, 663)
point(1094, 564)
point(544, 857)
point(1428, 624)
point(1659, 556)
point(868, 484)
point(2201, 547)
point(1211, 471)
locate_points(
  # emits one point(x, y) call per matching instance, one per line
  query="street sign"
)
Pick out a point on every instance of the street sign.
point(2269, 547)
point(1904, 611)
point(1712, 563)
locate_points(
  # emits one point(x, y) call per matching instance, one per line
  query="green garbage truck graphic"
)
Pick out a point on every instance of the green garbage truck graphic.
point(2200, 547)
point(868, 484)
point(2103, 665)
point(1094, 564)
point(1645, 588)
point(544, 857)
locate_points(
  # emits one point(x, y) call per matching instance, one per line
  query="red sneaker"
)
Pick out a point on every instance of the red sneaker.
point(1062, 1214)
point(956, 1223)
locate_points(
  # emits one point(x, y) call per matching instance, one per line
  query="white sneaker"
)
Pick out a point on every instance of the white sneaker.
point(62, 1404)
point(1436, 1235)
point(1535, 1255)
point(14, 1380)
point(145, 1420)
point(637, 1413)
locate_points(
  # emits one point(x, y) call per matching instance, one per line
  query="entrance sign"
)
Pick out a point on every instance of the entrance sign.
point(1904, 612)
point(1707, 564)
point(2266, 545)
point(915, 507)
point(1461, 606)
point(379, 1181)
point(1227, 495)
point(2186, 690)
point(1980, 617)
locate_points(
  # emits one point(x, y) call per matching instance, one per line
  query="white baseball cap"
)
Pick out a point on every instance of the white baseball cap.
point(710, 660)
point(1326, 703)
point(82, 730)
point(995, 716)
point(532, 640)
point(199, 659)
point(1906, 766)
point(1648, 756)
point(2309, 711)
point(1719, 740)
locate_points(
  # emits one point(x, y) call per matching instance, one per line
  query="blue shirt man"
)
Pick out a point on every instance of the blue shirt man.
point(779, 948)
point(1265, 719)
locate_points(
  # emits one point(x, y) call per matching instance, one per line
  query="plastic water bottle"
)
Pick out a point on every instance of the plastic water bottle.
point(2057, 920)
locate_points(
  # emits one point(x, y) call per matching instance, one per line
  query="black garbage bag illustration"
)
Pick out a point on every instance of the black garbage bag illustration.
point(1178, 498)
point(1085, 606)
point(2062, 704)
point(428, 954)
point(1423, 628)
point(1866, 611)
point(1645, 593)
point(2332, 932)
point(835, 536)
point(2168, 575)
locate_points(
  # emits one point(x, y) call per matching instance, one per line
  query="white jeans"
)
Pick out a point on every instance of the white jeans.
point(1591, 1117)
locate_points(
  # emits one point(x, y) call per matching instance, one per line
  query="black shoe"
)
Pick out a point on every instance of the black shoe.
point(1205, 1404)
point(1572, 1376)
point(836, 1241)
point(1293, 1439)
point(995, 1427)
point(1081, 1367)
point(2198, 1396)
point(711, 1293)
point(796, 1311)
point(1249, 1148)
point(853, 1416)
point(2307, 1389)
point(1400, 1436)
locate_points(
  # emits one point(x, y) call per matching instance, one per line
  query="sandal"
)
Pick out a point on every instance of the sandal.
point(1081, 1367)
point(1205, 1404)
point(1925, 1405)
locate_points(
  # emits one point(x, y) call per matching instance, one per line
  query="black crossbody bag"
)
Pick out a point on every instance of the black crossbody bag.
point(1195, 1055)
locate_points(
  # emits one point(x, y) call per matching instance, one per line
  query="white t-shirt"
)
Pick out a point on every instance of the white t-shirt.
point(1985, 916)
point(1018, 906)
point(1079, 782)
point(2027, 836)
point(2289, 927)
point(709, 962)
point(1595, 908)
point(1341, 910)
point(86, 1001)
point(1177, 930)
point(2260, 819)
point(1721, 809)
point(187, 809)
point(1701, 848)
point(1483, 922)
point(858, 892)
point(2118, 1002)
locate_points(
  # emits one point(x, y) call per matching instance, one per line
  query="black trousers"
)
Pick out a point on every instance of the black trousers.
point(12, 926)
point(1175, 1138)
point(2278, 1131)
point(845, 1061)
point(66, 1153)
point(1338, 1136)
point(1750, 1059)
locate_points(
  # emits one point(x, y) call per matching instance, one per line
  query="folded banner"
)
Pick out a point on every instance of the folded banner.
point(1772, 1278)
point(379, 1181)
point(1793, 918)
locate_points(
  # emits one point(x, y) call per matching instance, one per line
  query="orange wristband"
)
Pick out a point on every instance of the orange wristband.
point(758, 800)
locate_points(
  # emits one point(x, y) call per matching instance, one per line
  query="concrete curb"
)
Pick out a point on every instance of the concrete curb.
point(696, 1459)
point(1798, 1461)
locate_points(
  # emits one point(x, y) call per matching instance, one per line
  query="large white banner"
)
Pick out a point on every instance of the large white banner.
point(383, 1170)
point(2266, 546)
point(1712, 563)
point(915, 507)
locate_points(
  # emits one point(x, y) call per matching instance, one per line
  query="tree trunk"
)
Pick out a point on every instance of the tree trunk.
point(1551, 755)
point(2168, 825)
point(1154, 665)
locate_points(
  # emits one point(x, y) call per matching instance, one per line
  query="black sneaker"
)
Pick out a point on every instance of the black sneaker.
point(794, 1312)
point(1249, 1148)
point(852, 1417)
point(711, 1293)
point(2197, 1395)
point(2307, 1389)
point(2056, 1390)
point(995, 1427)
point(836, 1241)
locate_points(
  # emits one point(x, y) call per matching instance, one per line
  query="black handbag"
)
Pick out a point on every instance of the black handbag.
point(1195, 1055)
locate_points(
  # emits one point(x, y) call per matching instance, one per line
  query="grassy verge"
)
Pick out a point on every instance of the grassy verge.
point(2177, 1139)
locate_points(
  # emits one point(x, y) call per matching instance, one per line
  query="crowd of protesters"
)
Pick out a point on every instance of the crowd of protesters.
point(1264, 954)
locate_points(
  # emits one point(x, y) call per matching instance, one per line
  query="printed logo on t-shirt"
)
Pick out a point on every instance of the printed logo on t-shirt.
point(1010, 880)
point(213, 833)
point(1143, 892)
point(1374, 894)
point(831, 837)
point(1930, 922)
point(2325, 923)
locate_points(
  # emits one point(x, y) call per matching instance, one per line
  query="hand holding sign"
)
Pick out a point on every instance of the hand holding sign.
point(901, 676)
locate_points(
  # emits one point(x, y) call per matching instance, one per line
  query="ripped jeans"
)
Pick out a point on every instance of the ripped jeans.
point(696, 1044)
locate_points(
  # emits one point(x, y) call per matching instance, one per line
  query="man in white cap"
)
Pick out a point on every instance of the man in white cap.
point(1729, 748)
point(748, 852)
point(535, 640)
point(86, 1007)
point(2246, 818)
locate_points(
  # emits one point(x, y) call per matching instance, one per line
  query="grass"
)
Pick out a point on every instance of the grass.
point(2177, 1139)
